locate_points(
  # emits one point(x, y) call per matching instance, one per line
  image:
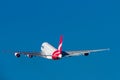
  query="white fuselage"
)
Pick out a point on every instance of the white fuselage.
point(48, 50)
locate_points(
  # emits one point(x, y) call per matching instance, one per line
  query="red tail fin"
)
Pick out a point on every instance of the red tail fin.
point(60, 44)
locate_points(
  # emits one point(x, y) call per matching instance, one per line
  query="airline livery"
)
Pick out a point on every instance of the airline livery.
point(50, 52)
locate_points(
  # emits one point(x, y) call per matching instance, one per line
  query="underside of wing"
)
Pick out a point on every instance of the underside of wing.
point(81, 52)
point(30, 54)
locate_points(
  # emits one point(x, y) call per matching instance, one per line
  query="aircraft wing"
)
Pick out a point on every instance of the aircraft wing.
point(81, 52)
point(30, 54)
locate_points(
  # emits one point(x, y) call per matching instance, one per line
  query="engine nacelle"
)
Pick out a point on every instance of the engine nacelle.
point(30, 56)
point(17, 55)
point(86, 54)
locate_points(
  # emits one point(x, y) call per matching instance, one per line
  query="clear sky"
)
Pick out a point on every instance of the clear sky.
point(85, 24)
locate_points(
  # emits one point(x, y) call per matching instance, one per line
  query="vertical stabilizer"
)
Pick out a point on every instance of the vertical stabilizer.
point(60, 44)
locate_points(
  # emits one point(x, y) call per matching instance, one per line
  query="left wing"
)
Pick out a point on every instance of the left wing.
point(30, 54)
point(81, 52)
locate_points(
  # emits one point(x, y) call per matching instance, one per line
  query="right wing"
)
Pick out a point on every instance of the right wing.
point(81, 52)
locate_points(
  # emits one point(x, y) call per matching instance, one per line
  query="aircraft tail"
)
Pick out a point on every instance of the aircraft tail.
point(60, 44)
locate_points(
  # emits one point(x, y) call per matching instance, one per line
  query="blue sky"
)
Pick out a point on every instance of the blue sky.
point(85, 24)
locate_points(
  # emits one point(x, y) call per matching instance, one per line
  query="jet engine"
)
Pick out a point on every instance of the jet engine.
point(17, 55)
point(30, 56)
point(86, 54)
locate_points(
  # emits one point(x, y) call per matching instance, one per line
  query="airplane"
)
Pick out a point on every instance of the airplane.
point(50, 52)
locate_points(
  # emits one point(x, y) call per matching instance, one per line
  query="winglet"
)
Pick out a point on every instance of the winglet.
point(60, 44)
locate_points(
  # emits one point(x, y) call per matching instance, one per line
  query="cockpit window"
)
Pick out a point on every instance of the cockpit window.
point(42, 46)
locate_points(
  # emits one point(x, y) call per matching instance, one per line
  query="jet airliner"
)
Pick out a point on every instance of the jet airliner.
point(50, 52)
